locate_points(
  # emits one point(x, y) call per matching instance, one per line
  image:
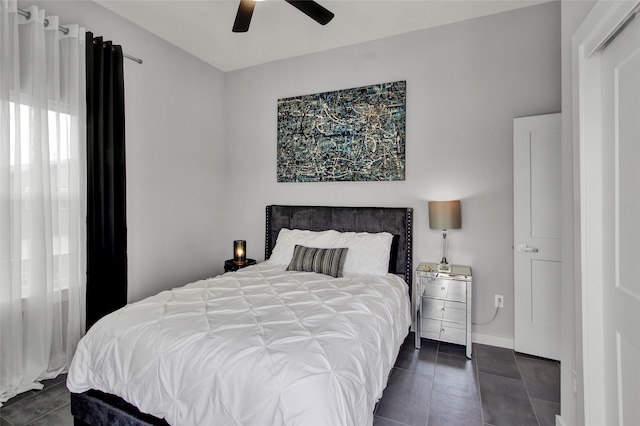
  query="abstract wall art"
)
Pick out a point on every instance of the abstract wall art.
point(347, 135)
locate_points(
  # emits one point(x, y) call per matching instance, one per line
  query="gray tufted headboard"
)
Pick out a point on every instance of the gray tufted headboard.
point(397, 221)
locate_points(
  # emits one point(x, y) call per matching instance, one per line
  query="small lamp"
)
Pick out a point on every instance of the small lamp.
point(239, 252)
point(444, 215)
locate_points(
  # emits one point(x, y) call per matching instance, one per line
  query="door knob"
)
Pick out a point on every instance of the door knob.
point(523, 248)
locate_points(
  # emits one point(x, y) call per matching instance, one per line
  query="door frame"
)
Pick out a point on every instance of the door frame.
point(603, 21)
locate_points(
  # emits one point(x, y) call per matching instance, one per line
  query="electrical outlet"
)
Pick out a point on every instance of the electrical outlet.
point(499, 301)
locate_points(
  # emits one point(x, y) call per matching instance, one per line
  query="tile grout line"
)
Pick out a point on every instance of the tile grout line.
point(502, 377)
point(393, 421)
point(477, 369)
point(472, 359)
point(30, 392)
point(435, 370)
point(7, 422)
point(551, 401)
point(526, 388)
point(521, 380)
point(46, 414)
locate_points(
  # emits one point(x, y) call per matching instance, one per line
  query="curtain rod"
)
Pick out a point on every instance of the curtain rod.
point(65, 31)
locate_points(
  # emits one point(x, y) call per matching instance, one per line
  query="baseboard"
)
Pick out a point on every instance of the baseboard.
point(559, 421)
point(492, 340)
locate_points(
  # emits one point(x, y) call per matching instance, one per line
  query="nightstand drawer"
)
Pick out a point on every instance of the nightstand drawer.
point(453, 332)
point(444, 331)
point(445, 289)
point(431, 328)
point(444, 309)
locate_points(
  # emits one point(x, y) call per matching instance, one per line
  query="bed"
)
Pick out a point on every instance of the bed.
point(262, 345)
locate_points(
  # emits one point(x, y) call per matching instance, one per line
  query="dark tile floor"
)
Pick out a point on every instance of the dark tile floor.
point(49, 406)
point(436, 385)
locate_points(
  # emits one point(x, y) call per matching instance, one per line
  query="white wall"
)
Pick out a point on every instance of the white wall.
point(465, 84)
point(175, 153)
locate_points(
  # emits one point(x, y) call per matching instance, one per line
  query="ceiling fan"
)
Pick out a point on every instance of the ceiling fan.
point(310, 8)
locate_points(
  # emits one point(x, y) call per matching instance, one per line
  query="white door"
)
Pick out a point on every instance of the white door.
point(537, 231)
point(621, 220)
point(606, 55)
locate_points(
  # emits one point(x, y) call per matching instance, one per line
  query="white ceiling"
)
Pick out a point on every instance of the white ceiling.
point(279, 31)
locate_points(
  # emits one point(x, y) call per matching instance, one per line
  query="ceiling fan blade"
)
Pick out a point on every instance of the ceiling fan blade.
point(313, 10)
point(243, 17)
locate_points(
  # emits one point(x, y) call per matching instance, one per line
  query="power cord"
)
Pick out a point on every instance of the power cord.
point(485, 323)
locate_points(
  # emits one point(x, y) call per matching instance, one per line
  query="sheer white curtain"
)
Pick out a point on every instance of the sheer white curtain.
point(42, 197)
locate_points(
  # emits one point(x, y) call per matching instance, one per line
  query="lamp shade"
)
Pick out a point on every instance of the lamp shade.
point(445, 215)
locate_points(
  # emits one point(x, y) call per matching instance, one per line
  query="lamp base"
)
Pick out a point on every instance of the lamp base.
point(444, 267)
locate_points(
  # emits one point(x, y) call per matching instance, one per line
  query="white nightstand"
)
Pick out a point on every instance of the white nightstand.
point(442, 304)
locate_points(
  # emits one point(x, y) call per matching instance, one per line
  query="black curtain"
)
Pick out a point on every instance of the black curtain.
point(106, 180)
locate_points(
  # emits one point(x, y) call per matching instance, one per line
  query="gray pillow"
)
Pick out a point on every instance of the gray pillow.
point(328, 261)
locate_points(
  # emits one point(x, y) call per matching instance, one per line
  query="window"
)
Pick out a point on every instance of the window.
point(58, 191)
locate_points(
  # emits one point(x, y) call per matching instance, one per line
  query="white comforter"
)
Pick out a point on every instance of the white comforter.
point(260, 346)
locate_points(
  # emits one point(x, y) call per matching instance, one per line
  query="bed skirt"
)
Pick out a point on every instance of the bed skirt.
point(97, 408)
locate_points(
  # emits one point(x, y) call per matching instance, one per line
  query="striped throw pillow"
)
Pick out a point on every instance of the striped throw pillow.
point(328, 261)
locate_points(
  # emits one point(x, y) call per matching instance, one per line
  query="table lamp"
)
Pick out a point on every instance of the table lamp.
point(444, 215)
point(239, 252)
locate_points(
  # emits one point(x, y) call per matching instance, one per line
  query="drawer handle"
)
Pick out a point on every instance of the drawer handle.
point(442, 289)
point(442, 330)
point(442, 310)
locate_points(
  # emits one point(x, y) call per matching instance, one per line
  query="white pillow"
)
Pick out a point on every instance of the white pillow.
point(368, 254)
point(288, 238)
